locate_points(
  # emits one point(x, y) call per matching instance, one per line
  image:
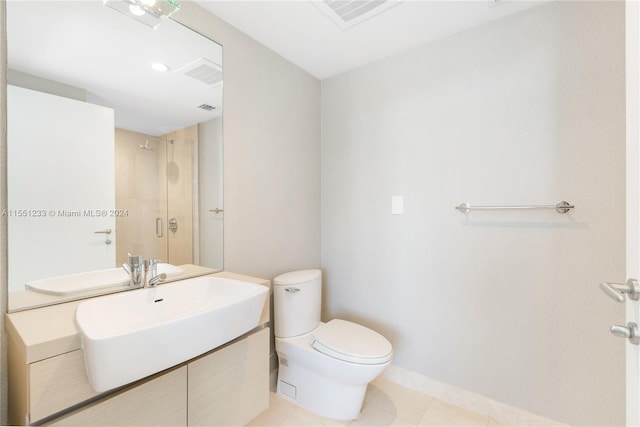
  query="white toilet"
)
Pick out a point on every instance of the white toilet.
point(324, 367)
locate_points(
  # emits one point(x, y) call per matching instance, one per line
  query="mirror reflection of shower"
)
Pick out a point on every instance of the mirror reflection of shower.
point(152, 192)
point(175, 178)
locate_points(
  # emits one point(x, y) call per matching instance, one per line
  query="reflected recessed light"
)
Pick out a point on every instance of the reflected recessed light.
point(160, 67)
point(149, 3)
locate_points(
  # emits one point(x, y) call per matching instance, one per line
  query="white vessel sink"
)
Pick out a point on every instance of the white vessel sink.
point(91, 280)
point(131, 335)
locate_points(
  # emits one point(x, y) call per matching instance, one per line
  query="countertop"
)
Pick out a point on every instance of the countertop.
point(26, 300)
point(49, 331)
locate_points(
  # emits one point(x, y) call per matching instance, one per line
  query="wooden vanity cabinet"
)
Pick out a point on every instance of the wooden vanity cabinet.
point(226, 387)
point(48, 384)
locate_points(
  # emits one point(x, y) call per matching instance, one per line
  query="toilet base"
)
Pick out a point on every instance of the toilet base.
point(319, 394)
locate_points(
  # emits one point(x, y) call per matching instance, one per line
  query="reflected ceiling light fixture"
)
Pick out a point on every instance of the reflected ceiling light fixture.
point(150, 12)
point(160, 67)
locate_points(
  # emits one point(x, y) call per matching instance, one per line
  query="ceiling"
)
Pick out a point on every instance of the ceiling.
point(86, 45)
point(299, 31)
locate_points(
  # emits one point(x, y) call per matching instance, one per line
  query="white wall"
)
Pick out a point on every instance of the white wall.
point(271, 129)
point(525, 110)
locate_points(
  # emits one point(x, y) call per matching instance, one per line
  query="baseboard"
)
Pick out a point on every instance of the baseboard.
point(477, 403)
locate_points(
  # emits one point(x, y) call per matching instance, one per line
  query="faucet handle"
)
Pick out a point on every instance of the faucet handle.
point(134, 269)
point(135, 260)
point(151, 266)
point(150, 263)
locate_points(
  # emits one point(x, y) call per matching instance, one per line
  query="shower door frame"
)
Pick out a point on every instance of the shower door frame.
point(632, 309)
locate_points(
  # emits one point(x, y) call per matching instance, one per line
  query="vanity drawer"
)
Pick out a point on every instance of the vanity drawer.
point(230, 386)
point(158, 401)
point(57, 383)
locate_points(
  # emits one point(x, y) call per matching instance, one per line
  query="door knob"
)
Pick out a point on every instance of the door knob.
point(106, 232)
point(630, 331)
point(617, 291)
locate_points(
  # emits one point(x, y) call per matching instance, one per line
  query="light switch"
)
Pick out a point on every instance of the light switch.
point(397, 205)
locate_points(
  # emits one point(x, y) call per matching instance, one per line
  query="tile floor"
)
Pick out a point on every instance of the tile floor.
point(385, 404)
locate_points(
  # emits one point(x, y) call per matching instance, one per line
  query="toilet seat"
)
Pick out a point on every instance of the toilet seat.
point(350, 342)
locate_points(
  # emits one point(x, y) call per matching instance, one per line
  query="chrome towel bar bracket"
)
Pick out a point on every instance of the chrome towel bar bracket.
point(560, 207)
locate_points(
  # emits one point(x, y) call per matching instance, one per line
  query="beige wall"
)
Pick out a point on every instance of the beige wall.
point(526, 110)
point(271, 129)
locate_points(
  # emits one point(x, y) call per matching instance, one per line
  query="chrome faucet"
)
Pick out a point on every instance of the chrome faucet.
point(143, 273)
point(134, 270)
point(151, 276)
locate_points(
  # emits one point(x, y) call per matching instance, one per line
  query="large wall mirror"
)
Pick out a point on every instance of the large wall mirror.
point(114, 142)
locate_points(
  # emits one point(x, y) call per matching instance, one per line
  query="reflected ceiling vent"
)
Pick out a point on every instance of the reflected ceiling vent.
point(347, 13)
point(203, 70)
point(206, 107)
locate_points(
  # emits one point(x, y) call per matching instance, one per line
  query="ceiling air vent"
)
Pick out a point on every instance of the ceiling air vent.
point(203, 70)
point(347, 13)
point(206, 107)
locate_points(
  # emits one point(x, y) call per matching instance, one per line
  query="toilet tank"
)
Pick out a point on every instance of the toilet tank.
point(296, 302)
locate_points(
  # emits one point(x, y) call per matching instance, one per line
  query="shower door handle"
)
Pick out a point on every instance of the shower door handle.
point(158, 227)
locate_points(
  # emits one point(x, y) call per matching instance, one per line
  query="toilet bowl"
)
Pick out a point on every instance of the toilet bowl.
point(324, 367)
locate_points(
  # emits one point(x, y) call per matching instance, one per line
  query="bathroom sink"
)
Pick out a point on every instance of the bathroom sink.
point(131, 335)
point(81, 282)
point(109, 278)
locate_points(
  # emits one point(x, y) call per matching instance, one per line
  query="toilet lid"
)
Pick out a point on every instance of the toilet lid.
point(351, 342)
point(297, 277)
